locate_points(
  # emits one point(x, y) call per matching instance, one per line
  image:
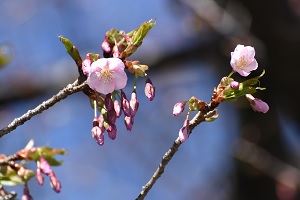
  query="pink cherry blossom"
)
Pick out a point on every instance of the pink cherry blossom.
point(242, 60)
point(257, 104)
point(107, 75)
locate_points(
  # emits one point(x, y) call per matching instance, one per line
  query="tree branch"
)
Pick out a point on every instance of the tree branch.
point(62, 94)
point(197, 119)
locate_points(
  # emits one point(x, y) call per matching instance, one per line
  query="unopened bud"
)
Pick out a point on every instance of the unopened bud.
point(54, 182)
point(109, 104)
point(257, 104)
point(44, 165)
point(235, 85)
point(39, 176)
point(112, 131)
point(128, 122)
point(117, 108)
point(149, 89)
point(178, 108)
point(184, 131)
point(134, 104)
point(125, 104)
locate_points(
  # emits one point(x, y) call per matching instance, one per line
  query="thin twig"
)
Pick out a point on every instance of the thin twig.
point(198, 118)
point(62, 94)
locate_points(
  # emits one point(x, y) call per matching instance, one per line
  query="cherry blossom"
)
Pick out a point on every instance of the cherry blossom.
point(107, 75)
point(242, 60)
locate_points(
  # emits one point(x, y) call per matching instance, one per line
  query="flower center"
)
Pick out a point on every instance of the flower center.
point(242, 62)
point(106, 75)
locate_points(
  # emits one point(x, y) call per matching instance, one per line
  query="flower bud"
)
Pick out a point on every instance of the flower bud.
point(109, 104)
point(134, 104)
point(112, 131)
point(184, 131)
point(125, 104)
point(117, 108)
point(39, 176)
point(98, 134)
point(257, 104)
point(149, 90)
point(128, 122)
point(178, 108)
point(26, 194)
point(44, 165)
point(86, 64)
point(54, 182)
point(235, 85)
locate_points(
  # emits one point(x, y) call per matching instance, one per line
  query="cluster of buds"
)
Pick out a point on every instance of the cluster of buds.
point(107, 77)
point(242, 62)
point(13, 171)
point(43, 167)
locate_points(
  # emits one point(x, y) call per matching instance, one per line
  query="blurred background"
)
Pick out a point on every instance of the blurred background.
point(242, 155)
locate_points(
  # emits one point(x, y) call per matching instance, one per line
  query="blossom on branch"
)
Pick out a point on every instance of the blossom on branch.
point(242, 60)
point(107, 75)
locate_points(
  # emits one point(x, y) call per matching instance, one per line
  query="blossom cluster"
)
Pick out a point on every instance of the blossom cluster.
point(243, 62)
point(107, 77)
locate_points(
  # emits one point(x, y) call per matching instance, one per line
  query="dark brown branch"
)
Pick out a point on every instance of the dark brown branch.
point(198, 118)
point(62, 94)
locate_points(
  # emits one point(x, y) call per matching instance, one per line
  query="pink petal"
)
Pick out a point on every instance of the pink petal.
point(120, 80)
point(115, 64)
point(98, 65)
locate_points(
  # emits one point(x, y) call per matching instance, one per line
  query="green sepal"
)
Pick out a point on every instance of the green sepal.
point(48, 153)
point(246, 87)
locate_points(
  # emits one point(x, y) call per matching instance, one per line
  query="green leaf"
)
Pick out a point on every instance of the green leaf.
point(137, 37)
point(71, 49)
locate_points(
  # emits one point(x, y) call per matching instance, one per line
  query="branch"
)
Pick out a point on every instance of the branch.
point(62, 94)
point(198, 118)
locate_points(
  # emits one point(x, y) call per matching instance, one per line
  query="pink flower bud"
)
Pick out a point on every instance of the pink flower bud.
point(178, 108)
point(109, 104)
point(98, 134)
point(128, 122)
point(125, 104)
point(39, 176)
point(86, 64)
point(106, 46)
point(184, 131)
point(242, 60)
point(54, 182)
point(112, 131)
point(44, 165)
point(117, 108)
point(134, 104)
point(257, 104)
point(235, 85)
point(26, 194)
point(149, 90)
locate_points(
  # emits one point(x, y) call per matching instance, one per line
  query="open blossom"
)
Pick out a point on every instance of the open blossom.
point(107, 75)
point(242, 60)
point(257, 104)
